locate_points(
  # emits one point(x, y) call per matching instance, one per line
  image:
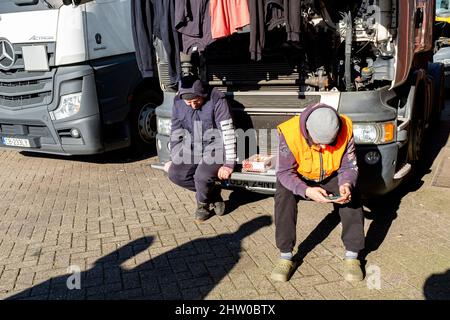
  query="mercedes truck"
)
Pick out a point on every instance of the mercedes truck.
point(69, 82)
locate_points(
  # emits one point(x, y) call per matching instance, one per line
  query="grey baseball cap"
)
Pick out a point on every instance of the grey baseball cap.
point(323, 125)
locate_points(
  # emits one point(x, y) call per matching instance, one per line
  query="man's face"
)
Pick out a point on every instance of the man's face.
point(195, 103)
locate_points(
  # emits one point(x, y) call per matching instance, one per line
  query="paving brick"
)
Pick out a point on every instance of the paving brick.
point(309, 293)
point(115, 239)
point(171, 291)
point(197, 282)
point(131, 280)
point(9, 276)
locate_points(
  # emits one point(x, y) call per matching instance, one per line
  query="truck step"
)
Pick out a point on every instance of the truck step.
point(157, 166)
point(403, 171)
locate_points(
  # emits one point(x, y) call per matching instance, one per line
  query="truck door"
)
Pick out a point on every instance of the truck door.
point(108, 28)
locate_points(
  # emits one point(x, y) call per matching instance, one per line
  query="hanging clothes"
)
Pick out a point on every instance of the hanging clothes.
point(292, 15)
point(193, 22)
point(285, 13)
point(155, 18)
point(142, 29)
point(274, 14)
point(257, 28)
point(228, 16)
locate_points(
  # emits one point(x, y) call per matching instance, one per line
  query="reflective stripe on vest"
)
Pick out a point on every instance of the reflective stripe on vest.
point(313, 163)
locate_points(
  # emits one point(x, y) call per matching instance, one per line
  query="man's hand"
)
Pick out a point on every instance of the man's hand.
point(317, 194)
point(346, 194)
point(224, 173)
point(167, 166)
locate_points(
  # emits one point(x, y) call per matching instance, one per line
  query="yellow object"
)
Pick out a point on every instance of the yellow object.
point(315, 163)
point(443, 19)
point(389, 133)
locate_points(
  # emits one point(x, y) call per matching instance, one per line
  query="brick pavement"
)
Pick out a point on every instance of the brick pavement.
point(131, 233)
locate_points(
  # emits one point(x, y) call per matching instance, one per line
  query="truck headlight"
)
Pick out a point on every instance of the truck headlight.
point(164, 125)
point(374, 133)
point(69, 105)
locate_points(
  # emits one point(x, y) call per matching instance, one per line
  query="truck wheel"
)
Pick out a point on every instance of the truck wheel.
point(143, 122)
point(417, 138)
point(417, 129)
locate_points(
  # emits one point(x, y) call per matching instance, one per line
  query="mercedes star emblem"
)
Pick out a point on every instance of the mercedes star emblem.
point(7, 55)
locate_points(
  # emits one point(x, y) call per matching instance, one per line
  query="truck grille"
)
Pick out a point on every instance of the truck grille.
point(20, 88)
point(19, 65)
point(267, 73)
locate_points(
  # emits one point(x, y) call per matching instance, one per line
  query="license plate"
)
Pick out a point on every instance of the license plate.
point(251, 184)
point(16, 142)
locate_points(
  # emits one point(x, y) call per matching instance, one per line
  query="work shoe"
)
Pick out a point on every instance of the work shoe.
point(352, 270)
point(219, 208)
point(283, 270)
point(202, 213)
point(217, 203)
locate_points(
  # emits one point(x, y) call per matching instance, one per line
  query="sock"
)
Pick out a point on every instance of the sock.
point(286, 256)
point(351, 255)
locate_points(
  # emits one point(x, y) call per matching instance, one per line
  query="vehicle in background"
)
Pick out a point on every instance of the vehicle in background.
point(369, 59)
point(69, 82)
point(442, 39)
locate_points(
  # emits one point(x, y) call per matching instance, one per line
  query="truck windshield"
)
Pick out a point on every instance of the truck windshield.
point(10, 6)
point(443, 8)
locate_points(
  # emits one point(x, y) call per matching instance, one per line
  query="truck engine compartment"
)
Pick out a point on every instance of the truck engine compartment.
point(344, 46)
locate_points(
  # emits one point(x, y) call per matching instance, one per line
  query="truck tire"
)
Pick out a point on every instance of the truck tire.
point(143, 122)
point(417, 127)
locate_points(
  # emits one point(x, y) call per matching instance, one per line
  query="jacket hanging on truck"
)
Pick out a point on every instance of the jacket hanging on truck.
point(155, 18)
point(193, 22)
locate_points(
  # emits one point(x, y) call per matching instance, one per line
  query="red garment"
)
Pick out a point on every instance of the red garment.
point(227, 16)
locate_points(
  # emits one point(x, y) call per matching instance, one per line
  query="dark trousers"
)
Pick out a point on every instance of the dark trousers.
point(199, 178)
point(286, 211)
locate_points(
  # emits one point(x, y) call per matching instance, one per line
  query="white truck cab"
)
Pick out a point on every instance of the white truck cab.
point(69, 83)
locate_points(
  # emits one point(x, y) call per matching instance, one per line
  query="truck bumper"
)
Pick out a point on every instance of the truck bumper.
point(30, 127)
point(46, 137)
point(374, 179)
point(377, 179)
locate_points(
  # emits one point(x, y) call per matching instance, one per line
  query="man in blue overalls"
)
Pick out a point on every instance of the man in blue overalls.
point(202, 144)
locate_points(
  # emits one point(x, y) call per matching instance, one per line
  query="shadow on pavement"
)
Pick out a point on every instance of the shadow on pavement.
point(437, 287)
point(112, 157)
point(240, 197)
point(382, 214)
point(319, 234)
point(189, 271)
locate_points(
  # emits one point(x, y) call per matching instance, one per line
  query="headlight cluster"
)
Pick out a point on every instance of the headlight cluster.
point(69, 105)
point(374, 133)
point(164, 125)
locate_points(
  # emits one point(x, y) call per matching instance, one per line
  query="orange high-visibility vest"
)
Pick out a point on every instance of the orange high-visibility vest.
point(313, 163)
